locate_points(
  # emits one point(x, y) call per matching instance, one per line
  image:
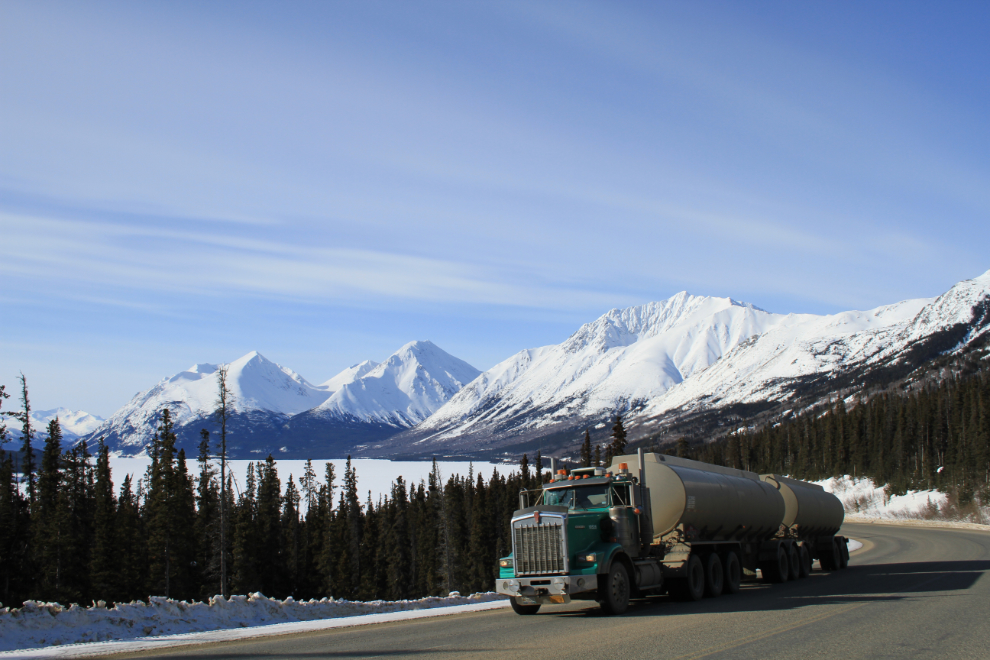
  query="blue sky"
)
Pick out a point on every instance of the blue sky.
point(186, 182)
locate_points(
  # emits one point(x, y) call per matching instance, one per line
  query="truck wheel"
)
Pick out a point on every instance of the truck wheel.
point(615, 592)
point(714, 576)
point(794, 571)
point(827, 559)
point(523, 609)
point(804, 562)
point(692, 585)
point(732, 571)
point(842, 552)
point(776, 571)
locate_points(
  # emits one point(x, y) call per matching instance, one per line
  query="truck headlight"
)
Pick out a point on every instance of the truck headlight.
point(505, 563)
point(590, 558)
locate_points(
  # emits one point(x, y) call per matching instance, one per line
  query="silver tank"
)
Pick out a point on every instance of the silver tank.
point(808, 509)
point(714, 502)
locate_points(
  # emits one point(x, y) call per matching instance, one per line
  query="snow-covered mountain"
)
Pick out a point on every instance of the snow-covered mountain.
point(275, 410)
point(74, 424)
point(691, 355)
point(404, 390)
point(846, 350)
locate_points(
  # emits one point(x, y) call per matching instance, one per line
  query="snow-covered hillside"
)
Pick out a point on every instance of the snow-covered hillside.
point(691, 353)
point(403, 390)
point(802, 347)
point(275, 410)
point(622, 360)
point(74, 425)
point(256, 383)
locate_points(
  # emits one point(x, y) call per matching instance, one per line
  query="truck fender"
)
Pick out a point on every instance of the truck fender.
point(613, 552)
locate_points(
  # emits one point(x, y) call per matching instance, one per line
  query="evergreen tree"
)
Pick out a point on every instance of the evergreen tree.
point(586, 449)
point(399, 560)
point(49, 523)
point(104, 562)
point(27, 435)
point(618, 445)
point(129, 539)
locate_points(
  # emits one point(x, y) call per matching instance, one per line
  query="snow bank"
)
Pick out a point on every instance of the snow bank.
point(864, 498)
point(50, 624)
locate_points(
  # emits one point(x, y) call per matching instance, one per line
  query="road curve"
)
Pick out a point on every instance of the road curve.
point(908, 593)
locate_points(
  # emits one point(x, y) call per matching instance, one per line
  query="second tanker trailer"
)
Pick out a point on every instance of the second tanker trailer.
point(653, 523)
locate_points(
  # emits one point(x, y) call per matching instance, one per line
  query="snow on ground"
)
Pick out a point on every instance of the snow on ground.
point(374, 475)
point(864, 498)
point(42, 630)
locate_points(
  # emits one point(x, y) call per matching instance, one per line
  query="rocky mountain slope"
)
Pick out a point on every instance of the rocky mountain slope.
point(692, 362)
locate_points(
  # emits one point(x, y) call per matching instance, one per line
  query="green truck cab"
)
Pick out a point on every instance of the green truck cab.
point(574, 542)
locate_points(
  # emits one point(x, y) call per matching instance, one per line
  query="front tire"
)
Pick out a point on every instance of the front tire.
point(523, 609)
point(615, 591)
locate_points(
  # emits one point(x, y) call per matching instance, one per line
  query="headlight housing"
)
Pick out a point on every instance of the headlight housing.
point(590, 558)
point(505, 562)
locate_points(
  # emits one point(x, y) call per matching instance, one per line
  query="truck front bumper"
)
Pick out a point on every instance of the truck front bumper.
point(546, 589)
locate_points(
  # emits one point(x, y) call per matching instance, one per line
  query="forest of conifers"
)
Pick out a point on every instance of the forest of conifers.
point(67, 535)
point(936, 435)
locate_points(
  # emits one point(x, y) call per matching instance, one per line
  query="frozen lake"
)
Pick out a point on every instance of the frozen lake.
point(373, 475)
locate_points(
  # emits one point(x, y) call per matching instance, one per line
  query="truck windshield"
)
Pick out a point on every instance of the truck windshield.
point(583, 497)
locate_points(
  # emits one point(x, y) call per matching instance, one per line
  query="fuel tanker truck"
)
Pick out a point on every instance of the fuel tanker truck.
point(652, 524)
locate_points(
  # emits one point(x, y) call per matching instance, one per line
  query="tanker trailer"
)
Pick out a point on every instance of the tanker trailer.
point(812, 516)
point(666, 525)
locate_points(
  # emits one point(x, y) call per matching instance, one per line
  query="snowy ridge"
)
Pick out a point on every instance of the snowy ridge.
point(691, 354)
point(74, 425)
point(277, 410)
point(812, 346)
point(257, 384)
point(619, 361)
point(403, 390)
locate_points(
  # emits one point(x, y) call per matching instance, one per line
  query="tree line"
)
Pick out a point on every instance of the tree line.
point(935, 435)
point(67, 535)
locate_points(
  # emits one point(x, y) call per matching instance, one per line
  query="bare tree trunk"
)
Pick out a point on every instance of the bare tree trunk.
point(224, 408)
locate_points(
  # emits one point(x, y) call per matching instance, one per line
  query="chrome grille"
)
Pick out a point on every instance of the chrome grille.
point(538, 548)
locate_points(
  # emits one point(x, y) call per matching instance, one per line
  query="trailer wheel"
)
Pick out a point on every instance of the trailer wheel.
point(828, 559)
point(793, 569)
point(714, 576)
point(842, 551)
point(776, 571)
point(732, 571)
point(804, 561)
point(615, 594)
point(523, 609)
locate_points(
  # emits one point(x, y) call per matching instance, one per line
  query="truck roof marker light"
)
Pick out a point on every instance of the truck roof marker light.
point(586, 476)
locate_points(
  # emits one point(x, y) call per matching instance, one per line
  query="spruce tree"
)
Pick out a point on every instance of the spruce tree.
point(618, 445)
point(104, 563)
point(27, 435)
point(586, 449)
point(50, 519)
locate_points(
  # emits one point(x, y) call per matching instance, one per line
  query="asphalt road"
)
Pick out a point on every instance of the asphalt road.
point(908, 593)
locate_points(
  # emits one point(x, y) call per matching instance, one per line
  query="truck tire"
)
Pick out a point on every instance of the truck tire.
point(692, 585)
point(776, 571)
point(804, 561)
point(842, 551)
point(794, 570)
point(615, 591)
point(714, 576)
point(827, 556)
point(523, 609)
point(732, 570)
